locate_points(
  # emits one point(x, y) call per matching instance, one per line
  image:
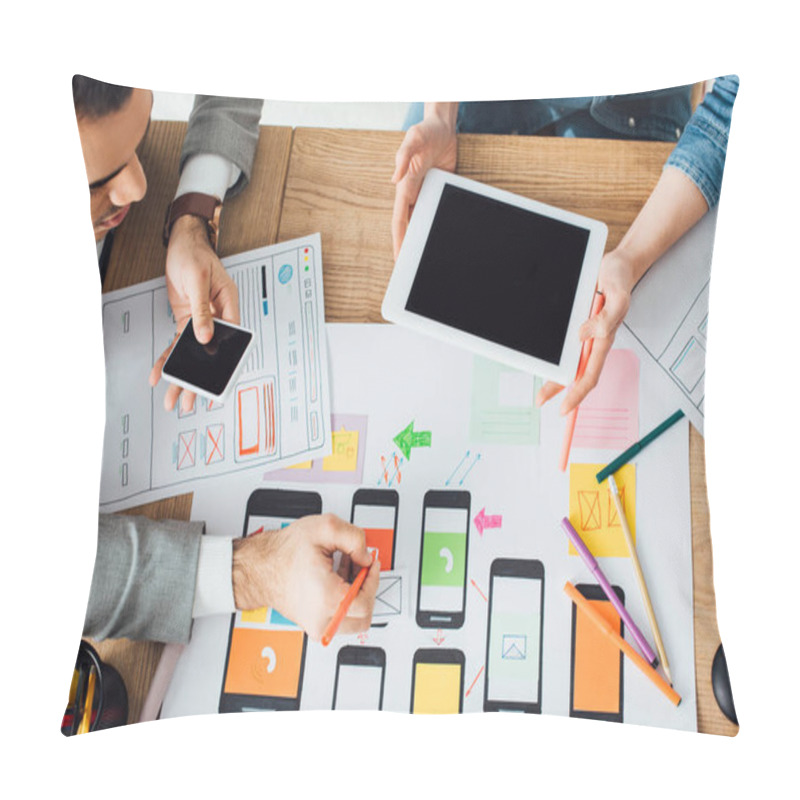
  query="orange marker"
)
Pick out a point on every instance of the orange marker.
point(592, 614)
point(341, 612)
point(586, 351)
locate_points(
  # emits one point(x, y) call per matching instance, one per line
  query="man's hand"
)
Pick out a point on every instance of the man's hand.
point(291, 570)
point(616, 281)
point(430, 143)
point(199, 287)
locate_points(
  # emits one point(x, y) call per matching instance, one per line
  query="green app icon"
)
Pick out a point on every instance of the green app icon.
point(443, 559)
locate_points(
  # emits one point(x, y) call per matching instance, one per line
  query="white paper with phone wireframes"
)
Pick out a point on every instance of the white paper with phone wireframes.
point(517, 498)
point(277, 412)
point(358, 687)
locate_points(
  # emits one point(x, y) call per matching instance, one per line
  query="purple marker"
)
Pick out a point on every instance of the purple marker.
point(594, 568)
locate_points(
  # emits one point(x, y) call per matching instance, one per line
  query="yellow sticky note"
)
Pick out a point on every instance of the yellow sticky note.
point(344, 457)
point(593, 513)
point(436, 688)
point(257, 615)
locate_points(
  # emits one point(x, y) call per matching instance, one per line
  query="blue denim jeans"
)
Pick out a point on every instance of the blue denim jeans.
point(659, 115)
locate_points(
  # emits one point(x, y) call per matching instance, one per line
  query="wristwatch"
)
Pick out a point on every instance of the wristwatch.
point(205, 206)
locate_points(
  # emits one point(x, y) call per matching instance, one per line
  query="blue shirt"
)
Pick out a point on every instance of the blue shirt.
point(663, 115)
point(700, 152)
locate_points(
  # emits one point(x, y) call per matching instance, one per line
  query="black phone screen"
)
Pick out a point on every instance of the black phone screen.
point(208, 366)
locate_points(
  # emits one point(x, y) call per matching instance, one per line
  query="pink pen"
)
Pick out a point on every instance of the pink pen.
point(594, 568)
point(586, 351)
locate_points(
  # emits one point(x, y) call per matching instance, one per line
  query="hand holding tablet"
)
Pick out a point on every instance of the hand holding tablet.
point(505, 276)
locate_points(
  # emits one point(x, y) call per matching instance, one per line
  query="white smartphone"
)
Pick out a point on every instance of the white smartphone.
point(208, 369)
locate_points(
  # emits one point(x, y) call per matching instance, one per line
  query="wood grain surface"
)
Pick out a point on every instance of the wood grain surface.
point(138, 253)
point(338, 183)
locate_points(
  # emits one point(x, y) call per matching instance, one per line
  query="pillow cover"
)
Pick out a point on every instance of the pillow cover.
point(479, 598)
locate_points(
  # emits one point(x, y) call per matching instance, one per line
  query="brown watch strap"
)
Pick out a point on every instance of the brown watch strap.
point(205, 206)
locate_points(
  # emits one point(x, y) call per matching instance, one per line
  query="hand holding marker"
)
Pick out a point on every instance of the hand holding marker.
point(586, 351)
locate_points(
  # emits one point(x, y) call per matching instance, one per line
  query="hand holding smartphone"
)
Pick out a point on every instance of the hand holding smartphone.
point(208, 369)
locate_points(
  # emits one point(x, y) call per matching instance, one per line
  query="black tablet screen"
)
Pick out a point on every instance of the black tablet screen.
point(500, 272)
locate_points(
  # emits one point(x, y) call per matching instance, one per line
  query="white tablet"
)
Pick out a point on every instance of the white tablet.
point(507, 277)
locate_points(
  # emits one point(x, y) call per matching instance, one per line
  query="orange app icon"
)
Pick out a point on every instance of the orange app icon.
point(382, 540)
point(266, 663)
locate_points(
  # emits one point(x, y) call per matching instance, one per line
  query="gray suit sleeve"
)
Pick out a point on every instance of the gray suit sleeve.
point(225, 126)
point(144, 579)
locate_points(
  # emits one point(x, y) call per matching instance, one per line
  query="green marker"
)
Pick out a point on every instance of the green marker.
point(635, 448)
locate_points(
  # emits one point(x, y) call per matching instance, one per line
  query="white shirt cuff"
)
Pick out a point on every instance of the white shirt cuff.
point(208, 173)
point(213, 592)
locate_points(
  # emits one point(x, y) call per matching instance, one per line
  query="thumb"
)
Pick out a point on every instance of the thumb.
point(401, 162)
point(606, 322)
point(199, 291)
point(336, 534)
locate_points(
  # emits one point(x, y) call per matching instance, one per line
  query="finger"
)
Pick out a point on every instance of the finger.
point(171, 397)
point(546, 392)
point(336, 534)
point(198, 289)
point(345, 571)
point(364, 601)
point(402, 159)
point(351, 625)
point(400, 215)
point(187, 401)
point(606, 322)
point(226, 300)
point(155, 372)
point(594, 366)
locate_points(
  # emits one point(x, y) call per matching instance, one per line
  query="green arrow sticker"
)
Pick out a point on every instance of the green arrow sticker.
point(408, 438)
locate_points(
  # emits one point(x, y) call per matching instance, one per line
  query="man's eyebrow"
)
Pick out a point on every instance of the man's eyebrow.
point(97, 184)
point(103, 181)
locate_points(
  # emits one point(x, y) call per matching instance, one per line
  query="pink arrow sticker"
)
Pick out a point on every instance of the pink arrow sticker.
point(484, 520)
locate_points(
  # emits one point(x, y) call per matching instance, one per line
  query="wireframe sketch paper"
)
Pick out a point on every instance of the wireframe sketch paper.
point(277, 414)
point(668, 317)
point(413, 397)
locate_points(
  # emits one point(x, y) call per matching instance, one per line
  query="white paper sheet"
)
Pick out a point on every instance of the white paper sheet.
point(396, 376)
point(668, 317)
point(278, 412)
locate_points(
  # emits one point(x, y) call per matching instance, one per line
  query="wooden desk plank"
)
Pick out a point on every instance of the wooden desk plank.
point(339, 184)
point(249, 220)
point(706, 633)
point(609, 180)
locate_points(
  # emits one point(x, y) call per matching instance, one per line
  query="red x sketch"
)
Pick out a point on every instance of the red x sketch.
point(186, 449)
point(215, 443)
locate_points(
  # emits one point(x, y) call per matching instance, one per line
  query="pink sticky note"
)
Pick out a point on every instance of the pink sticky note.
point(609, 416)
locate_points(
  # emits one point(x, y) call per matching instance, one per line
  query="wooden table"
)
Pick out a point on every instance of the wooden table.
point(337, 182)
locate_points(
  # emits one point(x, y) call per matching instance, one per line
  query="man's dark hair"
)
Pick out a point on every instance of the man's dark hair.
point(95, 99)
